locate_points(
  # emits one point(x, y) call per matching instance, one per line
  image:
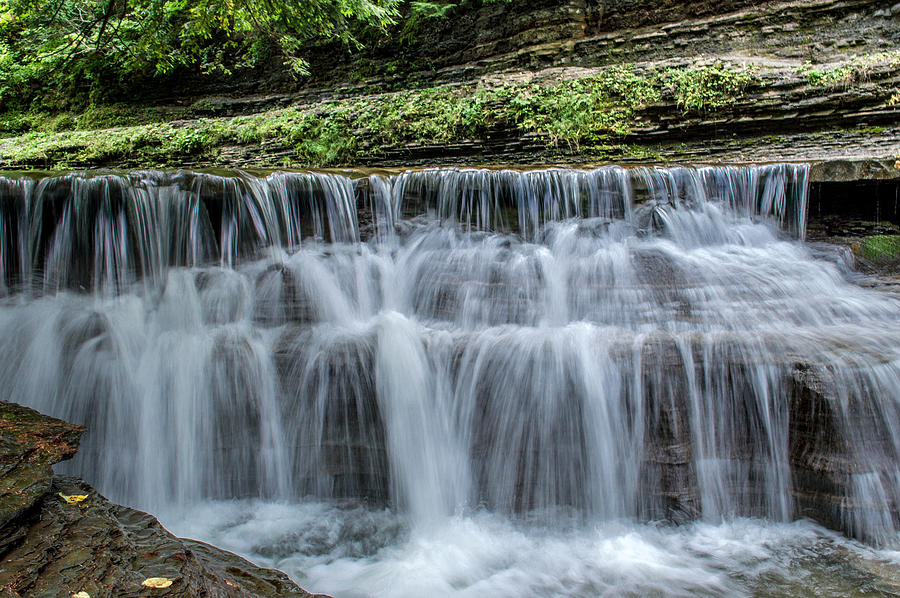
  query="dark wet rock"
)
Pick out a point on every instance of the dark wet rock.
point(109, 550)
point(816, 447)
point(53, 548)
point(30, 443)
point(829, 457)
point(668, 474)
point(350, 453)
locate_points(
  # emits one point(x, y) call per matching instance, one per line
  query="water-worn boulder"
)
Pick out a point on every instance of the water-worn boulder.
point(50, 546)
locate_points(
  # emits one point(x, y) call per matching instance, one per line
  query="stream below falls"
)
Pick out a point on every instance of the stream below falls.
point(464, 382)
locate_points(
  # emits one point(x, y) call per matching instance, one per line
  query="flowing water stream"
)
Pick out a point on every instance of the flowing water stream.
point(469, 382)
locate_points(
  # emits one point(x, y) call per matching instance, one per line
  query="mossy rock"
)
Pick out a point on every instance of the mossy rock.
point(878, 248)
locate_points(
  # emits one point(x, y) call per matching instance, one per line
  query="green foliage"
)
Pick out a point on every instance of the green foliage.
point(590, 113)
point(422, 13)
point(855, 70)
point(826, 78)
point(16, 122)
point(323, 140)
point(879, 247)
point(89, 50)
point(431, 10)
point(423, 116)
point(589, 109)
point(706, 88)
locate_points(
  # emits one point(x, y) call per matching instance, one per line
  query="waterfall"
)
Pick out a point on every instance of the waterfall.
point(104, 232)
point(613, 344)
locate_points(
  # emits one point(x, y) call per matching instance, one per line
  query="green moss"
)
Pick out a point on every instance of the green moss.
point(855, 70)
point(592, 112)
point(879, 247)
point(591, 109)
point(94, 117)
point(870, 130)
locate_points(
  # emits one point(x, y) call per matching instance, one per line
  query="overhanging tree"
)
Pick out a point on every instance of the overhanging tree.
point(83, 44)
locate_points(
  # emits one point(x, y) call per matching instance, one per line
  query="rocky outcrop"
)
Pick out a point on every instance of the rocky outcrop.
point(830, 457)
point(527, 36)
point(50, 547)
point(29, 446)
point(826, 85)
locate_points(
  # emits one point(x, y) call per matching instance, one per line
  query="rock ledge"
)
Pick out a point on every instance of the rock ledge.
point(53, 548)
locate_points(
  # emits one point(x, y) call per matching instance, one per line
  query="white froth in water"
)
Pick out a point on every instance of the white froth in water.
point(354, 552)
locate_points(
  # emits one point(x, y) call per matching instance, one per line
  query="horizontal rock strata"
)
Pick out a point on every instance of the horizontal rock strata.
point(825, 85)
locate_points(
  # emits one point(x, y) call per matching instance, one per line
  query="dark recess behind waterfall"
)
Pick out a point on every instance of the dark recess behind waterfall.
point(839, 208)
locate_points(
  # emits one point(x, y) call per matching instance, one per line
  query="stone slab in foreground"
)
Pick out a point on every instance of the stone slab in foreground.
point(30, 443)
point(53, 548)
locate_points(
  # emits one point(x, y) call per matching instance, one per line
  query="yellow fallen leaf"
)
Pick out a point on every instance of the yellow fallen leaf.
point(81, 595)
point(157, 582)
point(75, 498)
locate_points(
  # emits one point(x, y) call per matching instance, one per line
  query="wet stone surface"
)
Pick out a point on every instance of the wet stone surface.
point(51, 547)
point(109, 550)
point(30, 443)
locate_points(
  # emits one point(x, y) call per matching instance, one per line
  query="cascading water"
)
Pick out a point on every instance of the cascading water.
point(513, 370)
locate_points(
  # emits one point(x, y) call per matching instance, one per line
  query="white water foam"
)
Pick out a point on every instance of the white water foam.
point(354, 552)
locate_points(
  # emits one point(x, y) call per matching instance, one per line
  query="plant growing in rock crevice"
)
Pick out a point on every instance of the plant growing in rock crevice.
point(856, 70)
point(706, 88)
point(583, 110)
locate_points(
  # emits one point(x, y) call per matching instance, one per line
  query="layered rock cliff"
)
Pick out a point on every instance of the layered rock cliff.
point(660, 81)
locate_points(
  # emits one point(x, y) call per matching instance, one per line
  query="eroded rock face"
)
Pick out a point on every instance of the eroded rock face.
point(786, 114)
point(50, 547)
point(830, 457)
point(30, 443)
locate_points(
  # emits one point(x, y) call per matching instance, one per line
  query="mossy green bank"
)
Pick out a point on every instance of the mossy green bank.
point(590, 112)
point(879, 247)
